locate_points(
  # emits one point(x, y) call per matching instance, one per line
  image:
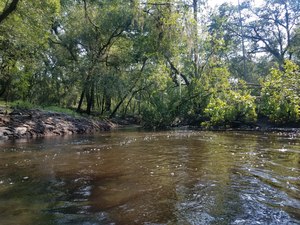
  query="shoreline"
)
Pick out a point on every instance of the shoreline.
point(38, 123)
point(32, 123)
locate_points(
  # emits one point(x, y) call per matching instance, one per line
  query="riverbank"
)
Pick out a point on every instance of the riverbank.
point(30, 123)
point(21, 123)
point(260, 126)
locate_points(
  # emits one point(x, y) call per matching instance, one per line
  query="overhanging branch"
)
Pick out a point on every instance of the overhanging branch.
point(8, 10)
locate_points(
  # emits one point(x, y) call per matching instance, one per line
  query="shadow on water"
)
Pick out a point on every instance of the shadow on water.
point(173, 177)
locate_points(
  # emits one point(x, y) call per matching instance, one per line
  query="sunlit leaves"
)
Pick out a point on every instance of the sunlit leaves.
point(227, 101)
point(281, 94)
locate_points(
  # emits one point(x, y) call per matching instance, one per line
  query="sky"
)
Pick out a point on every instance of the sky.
point(219, 2)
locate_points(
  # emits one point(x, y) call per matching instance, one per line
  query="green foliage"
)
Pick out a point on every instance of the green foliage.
point(280, 93)
point(25, 105)
point(22, 105)
point(156, 115)
point(159, 98)
point(164, 62)
point(23, 41)
point(61, 110)
point(230, 107)
point(227, 101)
point(161, 110)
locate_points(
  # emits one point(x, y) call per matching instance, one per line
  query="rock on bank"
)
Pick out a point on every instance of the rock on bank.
point(38, 123)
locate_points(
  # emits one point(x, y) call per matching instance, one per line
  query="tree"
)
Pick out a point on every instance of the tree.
point(272, 29)
point(295, 45)
point(88, 33)
point(280, 100)
point(23, 37)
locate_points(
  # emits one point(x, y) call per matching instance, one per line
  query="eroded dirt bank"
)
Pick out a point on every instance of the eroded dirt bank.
point(38, 123)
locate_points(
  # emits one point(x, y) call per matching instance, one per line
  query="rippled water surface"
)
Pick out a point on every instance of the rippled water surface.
point(171, 177)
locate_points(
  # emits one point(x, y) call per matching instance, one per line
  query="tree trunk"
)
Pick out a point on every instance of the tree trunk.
point(102, 104)
point(107, 102)
point(80, 101)
point(243, 41)
point(195, 47)
point(117, 107)
point(129, 91)
point(127, 105)
point(90, 98)
point(84, 91)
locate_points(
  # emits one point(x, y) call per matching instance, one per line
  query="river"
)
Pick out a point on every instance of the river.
point(137, 177)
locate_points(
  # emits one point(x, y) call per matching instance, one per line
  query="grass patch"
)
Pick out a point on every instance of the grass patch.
point(61, 110)
point(2, 103)
point(22, 105)
point(25, 105)
point(6, 106)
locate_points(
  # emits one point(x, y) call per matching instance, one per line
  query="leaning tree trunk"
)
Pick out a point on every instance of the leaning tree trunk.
point(81, 100)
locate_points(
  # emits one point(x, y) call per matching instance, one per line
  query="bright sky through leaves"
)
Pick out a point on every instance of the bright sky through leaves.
point(219, 2)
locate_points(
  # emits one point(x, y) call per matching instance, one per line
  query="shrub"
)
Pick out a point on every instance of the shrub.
point(280, 95)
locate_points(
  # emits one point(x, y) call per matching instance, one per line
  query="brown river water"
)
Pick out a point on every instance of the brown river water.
point(137, 177)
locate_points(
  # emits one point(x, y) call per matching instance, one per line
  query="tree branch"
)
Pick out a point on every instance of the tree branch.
point(129, 91)
point(87, 15)
point(8, 10)
point(177, 71)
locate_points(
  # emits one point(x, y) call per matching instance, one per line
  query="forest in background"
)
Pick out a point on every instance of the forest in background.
point(166, 62)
